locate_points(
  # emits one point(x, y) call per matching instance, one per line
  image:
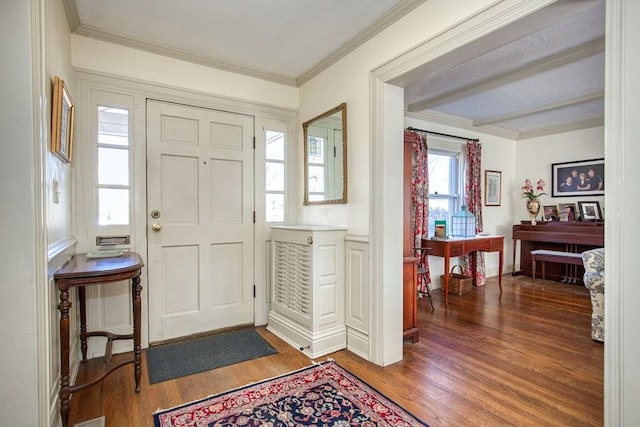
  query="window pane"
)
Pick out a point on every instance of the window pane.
point(275, 176)
point(440, 168)
point(113, 126)
point(275, 145)
point(113, 206)
point(439, 209)
point(316, 149)
point(113, 166)
point(275, 208)
point(316, 179)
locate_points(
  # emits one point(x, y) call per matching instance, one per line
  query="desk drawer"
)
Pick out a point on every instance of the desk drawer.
point(477, 245)
point(497, 245)
point(456, 249)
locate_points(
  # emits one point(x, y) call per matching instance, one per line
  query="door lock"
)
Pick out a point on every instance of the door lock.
point(155, 214)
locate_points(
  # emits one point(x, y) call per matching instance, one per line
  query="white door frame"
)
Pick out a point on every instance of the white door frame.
point(86, 81)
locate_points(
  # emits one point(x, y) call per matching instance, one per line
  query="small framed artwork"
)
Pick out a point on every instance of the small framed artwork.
point(590, 211)
point(62, 116)
point(492, 188)
point(567, 212)
point(579, 178)
point(550, 213)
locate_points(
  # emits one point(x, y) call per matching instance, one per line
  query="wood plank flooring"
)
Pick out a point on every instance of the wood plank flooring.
point(521, 358)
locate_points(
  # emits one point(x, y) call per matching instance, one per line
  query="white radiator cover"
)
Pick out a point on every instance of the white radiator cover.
point(308, 288)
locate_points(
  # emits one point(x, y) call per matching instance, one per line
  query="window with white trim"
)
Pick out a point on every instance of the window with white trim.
point(445, 186)
point(114, 184)
point(275, 172)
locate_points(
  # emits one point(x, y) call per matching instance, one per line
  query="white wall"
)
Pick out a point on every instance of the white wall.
point(348, 81)
point(57, 63)
point(18, 318)
point(535, 156)
point(102, 57)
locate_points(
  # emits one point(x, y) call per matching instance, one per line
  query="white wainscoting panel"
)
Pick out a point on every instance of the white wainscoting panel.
point(358, 301)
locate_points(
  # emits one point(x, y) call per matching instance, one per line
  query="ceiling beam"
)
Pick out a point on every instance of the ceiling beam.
point(568, 56)
point(542, 109)
point(567, 127)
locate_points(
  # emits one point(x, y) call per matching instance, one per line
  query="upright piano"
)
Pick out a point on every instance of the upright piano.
point(558, 236)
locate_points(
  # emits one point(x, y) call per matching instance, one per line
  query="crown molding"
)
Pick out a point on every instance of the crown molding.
point(98, 34)
point(71, 10)
point(394, 14)
point(462, 123)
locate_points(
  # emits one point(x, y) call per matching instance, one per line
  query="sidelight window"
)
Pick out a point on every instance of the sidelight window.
point(113, 166)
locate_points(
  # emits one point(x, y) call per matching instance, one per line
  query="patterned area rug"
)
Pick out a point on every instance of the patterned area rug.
point(320, 395)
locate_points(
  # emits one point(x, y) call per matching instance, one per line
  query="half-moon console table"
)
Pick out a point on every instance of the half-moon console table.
point(79, 272)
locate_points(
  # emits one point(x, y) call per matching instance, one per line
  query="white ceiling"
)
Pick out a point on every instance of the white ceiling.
point(544, 74)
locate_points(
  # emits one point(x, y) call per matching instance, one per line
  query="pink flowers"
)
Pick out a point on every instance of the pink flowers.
point(528, 190)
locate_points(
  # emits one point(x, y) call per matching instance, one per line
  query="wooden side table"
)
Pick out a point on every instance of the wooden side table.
point(79, 272)
point(457, 246)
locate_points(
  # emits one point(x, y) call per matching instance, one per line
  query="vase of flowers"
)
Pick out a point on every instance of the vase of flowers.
point(533, 197)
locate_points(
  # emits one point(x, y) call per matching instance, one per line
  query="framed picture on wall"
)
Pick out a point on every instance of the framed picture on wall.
point(492, 188)
point(62, 116)
point(579, 178)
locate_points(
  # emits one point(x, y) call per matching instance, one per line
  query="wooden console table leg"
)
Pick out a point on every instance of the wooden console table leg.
point(65, 387)
point(83, 322)
point(136, 288)
point(500, 266)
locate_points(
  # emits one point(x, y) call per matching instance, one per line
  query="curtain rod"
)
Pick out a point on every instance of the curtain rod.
point(411, 128)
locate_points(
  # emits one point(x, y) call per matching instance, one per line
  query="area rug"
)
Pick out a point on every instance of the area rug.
point(320, 395)
point(174, 360)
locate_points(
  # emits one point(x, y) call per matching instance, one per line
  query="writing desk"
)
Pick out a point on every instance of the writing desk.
point(80, 272)
point(456, 246)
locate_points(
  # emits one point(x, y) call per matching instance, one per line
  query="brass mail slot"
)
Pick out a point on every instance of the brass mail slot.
point(112, 240)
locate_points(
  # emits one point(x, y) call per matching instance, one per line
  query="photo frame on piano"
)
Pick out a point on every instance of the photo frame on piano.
point(567, 212)
point(550, 213)
point(590, 211)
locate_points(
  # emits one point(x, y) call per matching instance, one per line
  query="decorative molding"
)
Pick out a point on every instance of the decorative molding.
point(71, 9)
point(98, 34)
point(397, 12)
point(542, 109)
point(357, 238)
point(462, 123)
point(614, 136)
point(182, 95)
point(59, 247)
point(39, 122)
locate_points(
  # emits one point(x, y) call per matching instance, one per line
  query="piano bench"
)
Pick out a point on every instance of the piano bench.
point(544, 255)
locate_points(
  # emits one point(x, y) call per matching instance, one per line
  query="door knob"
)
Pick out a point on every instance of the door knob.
point(156, 226)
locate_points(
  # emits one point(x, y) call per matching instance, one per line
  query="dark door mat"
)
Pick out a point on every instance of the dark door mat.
point(174, 360)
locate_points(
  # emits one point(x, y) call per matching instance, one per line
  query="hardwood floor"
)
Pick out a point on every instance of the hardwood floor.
point(524, 357)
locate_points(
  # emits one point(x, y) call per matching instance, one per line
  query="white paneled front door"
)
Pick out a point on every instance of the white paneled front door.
point(200, 187)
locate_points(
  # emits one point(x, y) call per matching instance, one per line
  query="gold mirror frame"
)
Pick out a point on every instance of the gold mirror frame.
point(339, 198)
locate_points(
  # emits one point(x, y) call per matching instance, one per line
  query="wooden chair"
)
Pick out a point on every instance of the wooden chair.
point(421, 254)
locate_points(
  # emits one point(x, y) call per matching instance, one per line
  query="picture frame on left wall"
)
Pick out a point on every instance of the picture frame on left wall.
point(62, 121)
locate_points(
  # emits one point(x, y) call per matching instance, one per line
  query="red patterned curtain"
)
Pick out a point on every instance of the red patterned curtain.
point(420, 202)
point(473, 200)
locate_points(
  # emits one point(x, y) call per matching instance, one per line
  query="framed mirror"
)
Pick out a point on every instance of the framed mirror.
point(325, 157)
